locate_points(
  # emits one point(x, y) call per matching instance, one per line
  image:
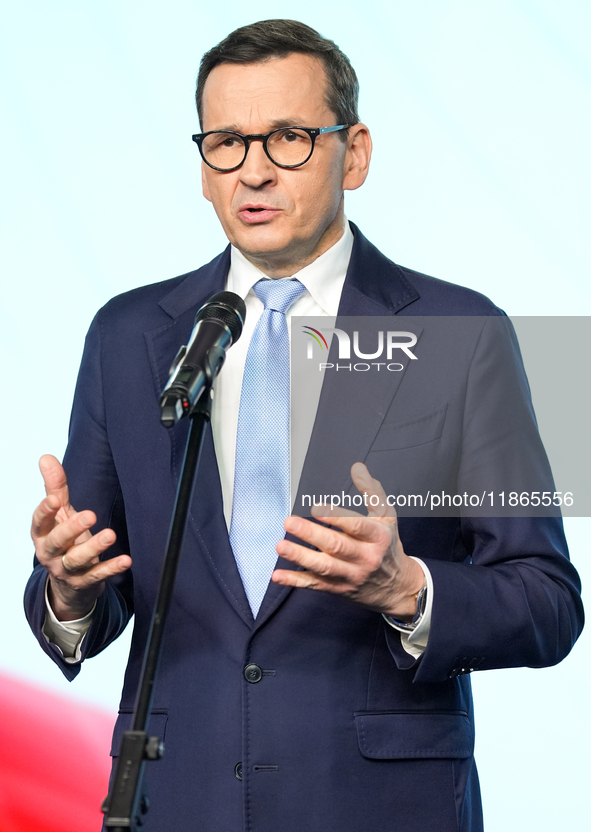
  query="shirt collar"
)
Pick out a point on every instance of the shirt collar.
point(323, 278)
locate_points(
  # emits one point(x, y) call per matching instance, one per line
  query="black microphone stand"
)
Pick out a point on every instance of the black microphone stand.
point(125, 803)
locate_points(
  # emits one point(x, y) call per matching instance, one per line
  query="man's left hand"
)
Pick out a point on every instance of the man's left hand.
point(362, 559)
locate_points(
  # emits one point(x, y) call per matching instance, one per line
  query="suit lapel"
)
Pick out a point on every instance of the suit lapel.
point(351, 406)
point(206, 523)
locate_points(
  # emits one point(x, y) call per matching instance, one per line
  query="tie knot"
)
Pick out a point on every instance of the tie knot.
point(279, 294)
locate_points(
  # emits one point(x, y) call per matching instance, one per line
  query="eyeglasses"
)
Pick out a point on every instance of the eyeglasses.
point(286, 147)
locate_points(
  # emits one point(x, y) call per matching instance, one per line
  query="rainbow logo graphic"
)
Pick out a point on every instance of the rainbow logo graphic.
point(317, 336)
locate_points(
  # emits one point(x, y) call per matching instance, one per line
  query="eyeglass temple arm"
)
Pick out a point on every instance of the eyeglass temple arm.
point(333, 129)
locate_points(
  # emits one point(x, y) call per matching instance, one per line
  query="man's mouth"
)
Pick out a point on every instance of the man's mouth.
point(252, 213)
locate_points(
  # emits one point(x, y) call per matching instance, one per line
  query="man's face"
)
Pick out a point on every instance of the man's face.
point(280, 219)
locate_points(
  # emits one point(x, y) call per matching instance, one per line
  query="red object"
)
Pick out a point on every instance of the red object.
point(54, 761)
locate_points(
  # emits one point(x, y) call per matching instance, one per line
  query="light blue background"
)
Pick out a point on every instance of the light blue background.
point(480, 118)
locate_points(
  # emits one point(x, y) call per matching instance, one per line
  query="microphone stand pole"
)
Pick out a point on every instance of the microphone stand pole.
point(125, 802)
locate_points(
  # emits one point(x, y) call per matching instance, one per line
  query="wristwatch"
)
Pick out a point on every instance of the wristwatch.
point(409, 626)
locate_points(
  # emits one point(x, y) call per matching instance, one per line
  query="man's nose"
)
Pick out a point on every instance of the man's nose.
point(258, 169)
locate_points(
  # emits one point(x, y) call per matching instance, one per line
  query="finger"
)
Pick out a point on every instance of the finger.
point(353, 529)
point(325, 513)
point(320, 563)
point(74, 533)
point(310, 580)
point(375, 499)
point(44, 517)
point(83, 556)
point(328, 540)
point(54, 478)
point(85, 578)
point(345, 520)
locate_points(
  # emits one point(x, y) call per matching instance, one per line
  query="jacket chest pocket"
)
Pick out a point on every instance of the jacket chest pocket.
point(411, 433)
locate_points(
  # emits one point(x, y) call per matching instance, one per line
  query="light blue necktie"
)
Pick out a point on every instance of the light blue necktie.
point(261, 477)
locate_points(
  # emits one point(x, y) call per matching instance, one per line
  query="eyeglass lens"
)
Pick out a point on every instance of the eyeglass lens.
point(285, 147)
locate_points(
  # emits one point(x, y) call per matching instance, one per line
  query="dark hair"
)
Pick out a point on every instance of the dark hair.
point(259, 42)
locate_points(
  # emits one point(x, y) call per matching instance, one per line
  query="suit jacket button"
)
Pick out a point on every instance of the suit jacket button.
point(253, 673)
point(238, 771)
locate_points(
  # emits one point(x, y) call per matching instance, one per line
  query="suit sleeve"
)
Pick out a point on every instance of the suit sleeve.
point(514, 598)
point(93, 484)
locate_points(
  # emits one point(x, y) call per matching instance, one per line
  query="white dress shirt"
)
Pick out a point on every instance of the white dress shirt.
point(323, 279)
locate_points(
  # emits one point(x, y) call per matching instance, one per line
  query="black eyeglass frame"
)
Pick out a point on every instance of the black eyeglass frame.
point(313, 132)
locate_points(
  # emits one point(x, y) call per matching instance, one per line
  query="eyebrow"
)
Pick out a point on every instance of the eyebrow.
point(288, 122)
point(275, 124)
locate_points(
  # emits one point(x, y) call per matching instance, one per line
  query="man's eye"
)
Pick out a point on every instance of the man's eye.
point(290, 136)
point(221, 141)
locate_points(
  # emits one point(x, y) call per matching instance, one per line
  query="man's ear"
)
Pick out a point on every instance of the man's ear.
point(357, 157)
point(204, 185)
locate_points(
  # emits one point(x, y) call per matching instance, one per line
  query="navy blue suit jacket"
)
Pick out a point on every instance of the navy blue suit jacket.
point(344, 730)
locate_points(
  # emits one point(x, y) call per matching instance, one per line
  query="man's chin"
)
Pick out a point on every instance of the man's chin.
point(262, 242)
point(274, 248)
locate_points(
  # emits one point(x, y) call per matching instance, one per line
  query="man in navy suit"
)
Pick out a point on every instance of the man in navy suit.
point(343, 701)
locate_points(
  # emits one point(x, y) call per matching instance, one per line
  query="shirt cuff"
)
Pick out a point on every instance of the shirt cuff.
point(66, 635)
point(415, 642)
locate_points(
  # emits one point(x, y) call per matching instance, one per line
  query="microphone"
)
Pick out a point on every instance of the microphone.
point(218, 325)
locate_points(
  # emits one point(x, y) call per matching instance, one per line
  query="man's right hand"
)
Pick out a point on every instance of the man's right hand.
point(66, 548)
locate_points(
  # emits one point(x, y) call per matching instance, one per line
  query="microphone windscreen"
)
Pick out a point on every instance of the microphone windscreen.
point(227, 307)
